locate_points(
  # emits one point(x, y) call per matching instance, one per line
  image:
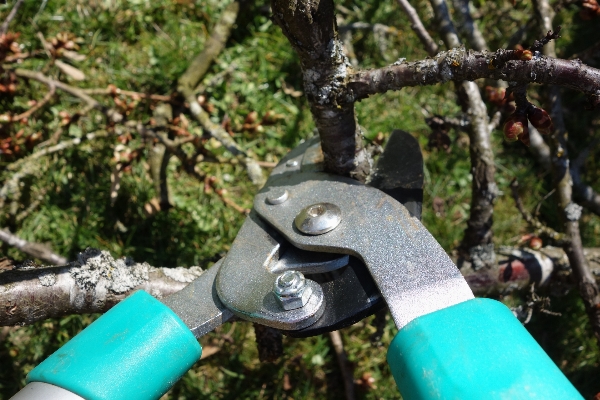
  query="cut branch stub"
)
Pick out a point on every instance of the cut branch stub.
point(311, 29)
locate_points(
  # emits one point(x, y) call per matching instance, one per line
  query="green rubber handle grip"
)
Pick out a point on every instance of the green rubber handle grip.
point(470, 351)
point(137, 350)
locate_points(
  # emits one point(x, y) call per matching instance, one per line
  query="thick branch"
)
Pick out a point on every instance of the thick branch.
point(459, 65)
point(96, 281)
point(93, 283)
point(311, 29)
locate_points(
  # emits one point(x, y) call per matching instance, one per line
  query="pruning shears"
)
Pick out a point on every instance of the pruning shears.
point(319, 252)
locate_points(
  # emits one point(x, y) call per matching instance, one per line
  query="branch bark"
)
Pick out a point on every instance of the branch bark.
point(477, 243)
point(459, 64)
point(35, 250)
point(312, 31)
point(569, 212)
point(96, 281)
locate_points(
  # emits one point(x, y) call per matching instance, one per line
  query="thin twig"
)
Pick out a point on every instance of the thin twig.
point(540, 228)
point(417, 26)
point(11, 15)
point(59, 147)
point(468, 26)
point(346, 371)
point(128, 93)
point(38, 105)
point(113, 115)
point(35, 250)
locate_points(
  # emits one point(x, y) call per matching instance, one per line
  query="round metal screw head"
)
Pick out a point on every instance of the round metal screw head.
point(318, 218)
point(291, 163)
point(291, 290)
point(277, 196)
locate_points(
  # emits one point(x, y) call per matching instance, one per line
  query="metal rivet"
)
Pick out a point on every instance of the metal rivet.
point(291, 163)
point(277, 196)
point(318, 218)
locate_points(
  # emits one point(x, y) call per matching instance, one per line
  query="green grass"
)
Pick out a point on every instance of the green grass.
point(145, 46)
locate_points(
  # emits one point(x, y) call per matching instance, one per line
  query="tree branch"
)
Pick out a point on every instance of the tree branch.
point(96, 281)
point(459, 64)
point(569, 212)
point(585, 193)
point(477, 242)
point(10, 17)
point(417, 26)
point(113, 115)
point(93, 283)
point(35, 250)
point(312, 31)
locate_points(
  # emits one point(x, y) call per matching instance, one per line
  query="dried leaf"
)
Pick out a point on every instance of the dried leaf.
point(209, 350)
point(71, 71)
point(73, 55)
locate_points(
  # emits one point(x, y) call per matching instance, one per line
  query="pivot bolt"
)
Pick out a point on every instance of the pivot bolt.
point(291, 290)
point(318, 218)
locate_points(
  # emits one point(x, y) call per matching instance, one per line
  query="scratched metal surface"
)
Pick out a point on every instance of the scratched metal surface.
point(411, 269)
point(245, 281)
point(198, 305)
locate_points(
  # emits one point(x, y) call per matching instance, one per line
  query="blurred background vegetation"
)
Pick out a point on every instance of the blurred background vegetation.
point(145, 46)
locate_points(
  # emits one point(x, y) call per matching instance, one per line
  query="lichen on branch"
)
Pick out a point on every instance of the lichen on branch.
point(460, 64)
point(311, 28)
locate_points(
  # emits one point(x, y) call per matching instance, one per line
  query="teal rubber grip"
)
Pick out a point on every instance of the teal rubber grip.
point(137, 350)
point(470, 351)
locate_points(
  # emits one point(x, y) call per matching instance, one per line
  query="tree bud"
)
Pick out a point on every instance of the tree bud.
point(540, 119)
point(515, 127)
point(524, 138)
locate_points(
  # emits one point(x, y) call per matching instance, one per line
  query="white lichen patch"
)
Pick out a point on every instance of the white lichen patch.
point(573, 211)
point(325, 89)
point(47, 279)
point(118, 276)
point(181, 274)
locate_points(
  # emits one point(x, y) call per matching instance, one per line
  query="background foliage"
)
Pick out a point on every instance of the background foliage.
point(145, 46)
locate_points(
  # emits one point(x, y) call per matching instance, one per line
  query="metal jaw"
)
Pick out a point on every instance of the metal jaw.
point(413, 272)
point(404, 264)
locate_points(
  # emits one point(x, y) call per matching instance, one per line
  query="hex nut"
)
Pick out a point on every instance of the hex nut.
point(291, 290)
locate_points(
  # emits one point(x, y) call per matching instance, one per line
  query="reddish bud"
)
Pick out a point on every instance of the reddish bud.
point(540, 119)
point(515, 127)
point(535, 243)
